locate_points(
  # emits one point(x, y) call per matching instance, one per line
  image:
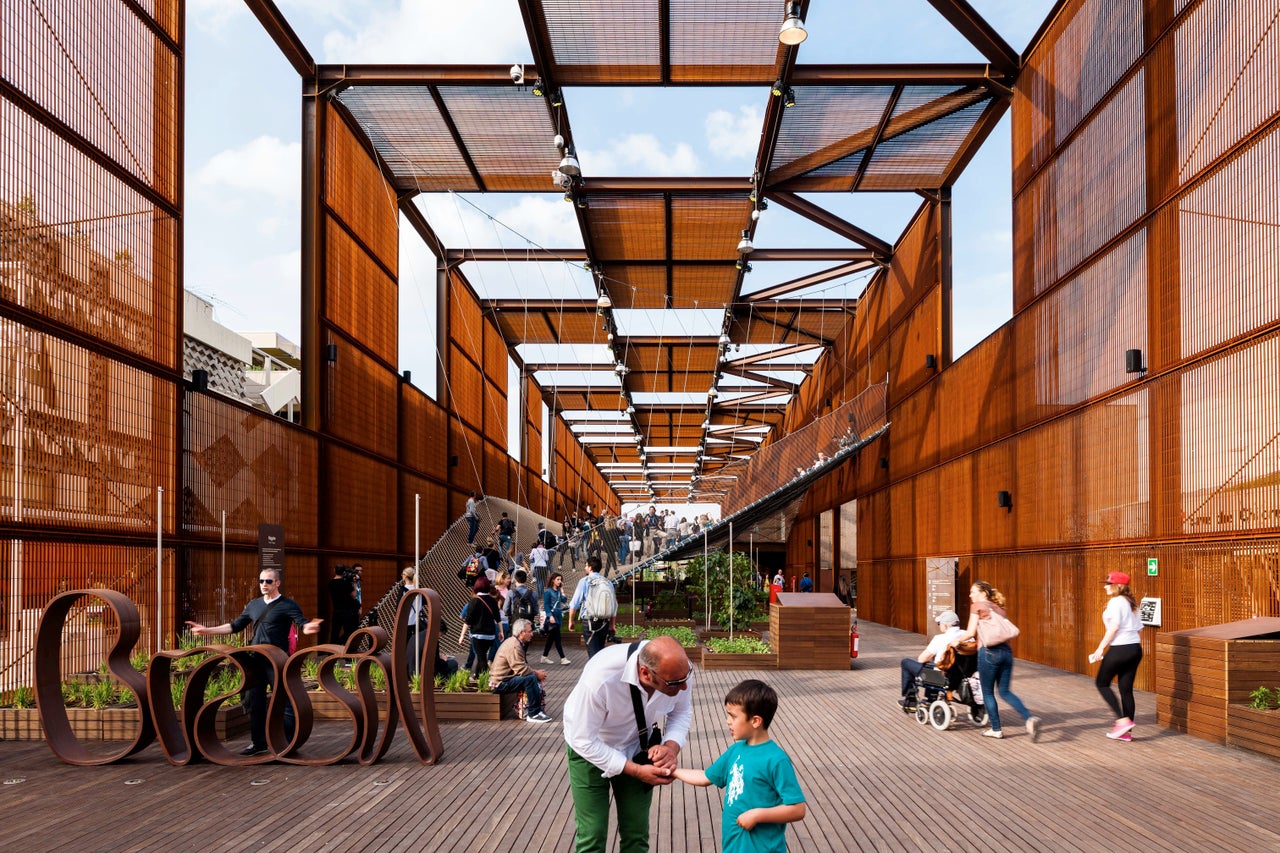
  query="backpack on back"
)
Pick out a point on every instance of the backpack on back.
point(524, 607)
point(473, 568)
point(507, 527)
point(600, 601)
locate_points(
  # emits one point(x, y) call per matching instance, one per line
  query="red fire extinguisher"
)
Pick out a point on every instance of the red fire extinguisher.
point(853, 639)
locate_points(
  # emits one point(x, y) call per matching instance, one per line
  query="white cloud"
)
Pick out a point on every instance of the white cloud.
point(264, 165)
point(731, 136)
point(639, 154)
point(214, 16)
point(413, 31)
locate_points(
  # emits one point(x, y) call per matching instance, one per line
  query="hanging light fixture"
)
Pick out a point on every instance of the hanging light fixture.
point(725, 340)
point(744, 245)
point(777, 88)
point(631, 410)
point(789, 97)
point(538, 90)
point(557, 98)
point(743, 265)
point(793, 31)
point(604, 302)
point(569, 164)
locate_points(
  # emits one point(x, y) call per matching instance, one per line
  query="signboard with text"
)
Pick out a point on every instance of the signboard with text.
point(271, 547)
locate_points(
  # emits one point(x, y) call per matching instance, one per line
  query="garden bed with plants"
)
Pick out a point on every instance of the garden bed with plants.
point(100, 709)
point(1256, 726)
point(738, 653)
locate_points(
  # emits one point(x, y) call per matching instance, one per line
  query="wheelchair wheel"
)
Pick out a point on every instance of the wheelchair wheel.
point(978, 715)
point(922, 714)
point(941, 715)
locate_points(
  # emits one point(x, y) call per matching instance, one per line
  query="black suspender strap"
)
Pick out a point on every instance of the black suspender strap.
point(637, 705)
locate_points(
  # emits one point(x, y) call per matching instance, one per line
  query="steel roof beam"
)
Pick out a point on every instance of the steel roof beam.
point(980, 34)
point(283, 35)
point(831, 222)
point(915, 74)
point(779, 290)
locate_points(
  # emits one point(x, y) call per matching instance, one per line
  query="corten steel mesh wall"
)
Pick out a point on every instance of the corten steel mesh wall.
point(95, 414)
point(90, 191)
point(1146, 205)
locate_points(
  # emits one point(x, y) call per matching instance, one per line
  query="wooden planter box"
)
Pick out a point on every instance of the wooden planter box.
point(475, 706)
point(759, 627)
point(673, 622)
point(1252, 729)
point(675, 614)
point(20, 724)
point(714, 660)
point(449, 706)
point(106, 723)
point(810, 631)
point(721, 634)
point(1200, 673)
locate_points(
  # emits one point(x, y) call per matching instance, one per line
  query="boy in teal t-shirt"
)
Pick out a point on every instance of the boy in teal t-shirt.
point(762, 794)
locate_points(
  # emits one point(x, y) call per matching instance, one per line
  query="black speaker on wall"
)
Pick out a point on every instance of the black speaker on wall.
point(1004, 500)
point(199, 380)
point(1133, 361)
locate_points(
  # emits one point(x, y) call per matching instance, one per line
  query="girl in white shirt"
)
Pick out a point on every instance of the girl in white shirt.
point(1120, 652)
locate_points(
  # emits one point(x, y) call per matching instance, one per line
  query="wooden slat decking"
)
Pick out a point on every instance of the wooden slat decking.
point(875, 780)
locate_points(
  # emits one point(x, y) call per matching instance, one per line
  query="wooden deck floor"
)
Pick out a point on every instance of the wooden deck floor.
point(874, 779)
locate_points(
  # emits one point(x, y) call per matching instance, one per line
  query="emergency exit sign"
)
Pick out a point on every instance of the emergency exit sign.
point(1153, 567)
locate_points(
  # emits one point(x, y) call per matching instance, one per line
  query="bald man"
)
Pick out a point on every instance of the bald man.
point(603, 737)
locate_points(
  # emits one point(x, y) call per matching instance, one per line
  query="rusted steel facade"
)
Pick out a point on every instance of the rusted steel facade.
point(1145, 140)
point(103, 438)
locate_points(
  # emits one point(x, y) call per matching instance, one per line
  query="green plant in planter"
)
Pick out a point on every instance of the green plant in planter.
point(24, 697)
point(1264, 699)
point(483, 684)
point(378, 678)
point(738, 646)
point(457, 683)
point(100, 695)
point(629, 632)
point(746, 605)
point(682, 635)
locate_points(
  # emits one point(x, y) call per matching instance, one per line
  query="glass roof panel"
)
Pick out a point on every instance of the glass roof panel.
point(565, 354)
point(670, 322)
point(577, 378)
point(534, 280)
point(665, 398)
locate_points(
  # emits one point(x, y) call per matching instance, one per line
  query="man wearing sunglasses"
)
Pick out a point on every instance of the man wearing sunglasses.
point(603, 736)
point(271, 616)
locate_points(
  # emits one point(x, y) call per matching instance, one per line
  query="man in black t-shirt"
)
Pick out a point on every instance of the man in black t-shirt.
point(271, 616)
point(344, 603)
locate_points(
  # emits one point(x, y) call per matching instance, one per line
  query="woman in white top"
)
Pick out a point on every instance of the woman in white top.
point(1120, 652)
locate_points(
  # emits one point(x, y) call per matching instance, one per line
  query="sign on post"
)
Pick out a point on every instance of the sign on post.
point(271, 547)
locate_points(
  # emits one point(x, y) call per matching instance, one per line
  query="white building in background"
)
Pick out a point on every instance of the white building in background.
point(262, 369)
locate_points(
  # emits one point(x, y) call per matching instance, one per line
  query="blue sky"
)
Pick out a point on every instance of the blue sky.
point(243, 151)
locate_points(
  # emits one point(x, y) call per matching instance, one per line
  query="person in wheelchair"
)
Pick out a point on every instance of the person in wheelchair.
point(933, 655)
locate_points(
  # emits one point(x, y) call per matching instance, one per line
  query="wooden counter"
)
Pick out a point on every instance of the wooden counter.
point(810, 630)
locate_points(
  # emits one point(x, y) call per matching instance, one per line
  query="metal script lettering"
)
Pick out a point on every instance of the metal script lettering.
point(187, 730)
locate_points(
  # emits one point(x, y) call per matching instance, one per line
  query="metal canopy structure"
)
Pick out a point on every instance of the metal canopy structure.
point(690, 396)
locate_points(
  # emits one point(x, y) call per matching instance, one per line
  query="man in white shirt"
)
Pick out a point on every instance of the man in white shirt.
point(601, 729)
point(949, 628)
point(540, 560)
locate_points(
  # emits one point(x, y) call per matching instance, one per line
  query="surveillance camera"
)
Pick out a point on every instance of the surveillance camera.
point(517, 74)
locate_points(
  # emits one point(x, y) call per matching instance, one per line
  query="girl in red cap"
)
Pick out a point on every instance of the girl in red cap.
point(1120, 652)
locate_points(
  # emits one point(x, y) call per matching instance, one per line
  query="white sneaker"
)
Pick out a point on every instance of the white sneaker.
point(993, 733)
point(546, 659)
point(563, 661)
point(1033, 728)
point(539, 717)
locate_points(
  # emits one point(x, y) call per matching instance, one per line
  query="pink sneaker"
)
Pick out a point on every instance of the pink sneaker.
point(1119, 730)
point(1125, 738)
